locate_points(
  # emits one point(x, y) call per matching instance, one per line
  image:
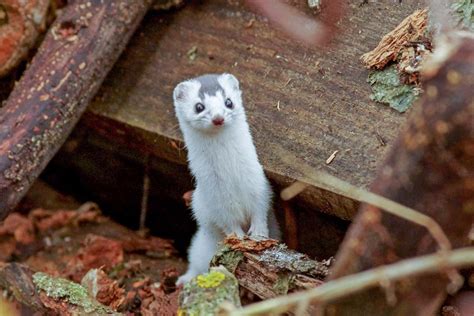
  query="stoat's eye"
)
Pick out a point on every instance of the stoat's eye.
point(229, 104)
point(199, 107)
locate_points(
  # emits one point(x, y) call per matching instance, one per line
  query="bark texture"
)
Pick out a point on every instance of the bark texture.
point(430, 169)
point(76, 55)
point(268, 268)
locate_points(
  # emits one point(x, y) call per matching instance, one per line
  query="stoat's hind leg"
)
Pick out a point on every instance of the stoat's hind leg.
point(202, 249)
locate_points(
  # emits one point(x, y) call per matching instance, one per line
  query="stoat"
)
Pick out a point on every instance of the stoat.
point(232, 193)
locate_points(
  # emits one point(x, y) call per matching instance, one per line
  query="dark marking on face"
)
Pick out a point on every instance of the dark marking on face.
point(209, 85)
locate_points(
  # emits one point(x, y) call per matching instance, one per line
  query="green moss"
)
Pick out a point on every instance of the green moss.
point(228, 258)
point(73, 293)
point(464, 11)
point(387, 88)
point(282, 284)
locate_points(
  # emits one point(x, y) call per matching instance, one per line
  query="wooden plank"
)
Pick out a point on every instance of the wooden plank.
point(324, 107)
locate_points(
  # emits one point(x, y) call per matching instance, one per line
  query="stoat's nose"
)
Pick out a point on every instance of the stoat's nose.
point(218, 120)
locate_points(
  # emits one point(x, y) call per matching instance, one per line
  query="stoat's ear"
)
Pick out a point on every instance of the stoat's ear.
point(182, 91)
point(230, 80)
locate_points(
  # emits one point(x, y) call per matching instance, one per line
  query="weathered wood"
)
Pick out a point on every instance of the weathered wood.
point(268, 268)
point(325, 107)
point(430, 168)
point(47, 294)
point(79, 50)
point(18, 279)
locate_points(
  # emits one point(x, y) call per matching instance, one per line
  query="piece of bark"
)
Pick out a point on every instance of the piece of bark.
point(269, 269)
point(430, 169)
point(411, 29)
point(205, 294)
point(18, 279)
point(74, 58)
point(20, 24)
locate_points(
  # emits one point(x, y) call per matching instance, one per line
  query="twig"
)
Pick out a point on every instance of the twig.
point(354, 283)
point(145, 193)
point(331, 158)
point(291, 226)
point(293, 190)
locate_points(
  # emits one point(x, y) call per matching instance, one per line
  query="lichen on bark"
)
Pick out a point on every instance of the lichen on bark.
point(73, 293)
point(205, 294)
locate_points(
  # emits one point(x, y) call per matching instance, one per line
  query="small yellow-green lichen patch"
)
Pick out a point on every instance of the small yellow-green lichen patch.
point(205, 294)
point(71, 292)
point(211, 279)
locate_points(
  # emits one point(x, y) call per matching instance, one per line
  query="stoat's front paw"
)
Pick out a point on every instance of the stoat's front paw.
point(185, 278)
point(258, 232)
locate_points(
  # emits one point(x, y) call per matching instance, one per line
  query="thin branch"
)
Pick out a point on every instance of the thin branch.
point(293, 190)
point(354, 283)
point(145, 193)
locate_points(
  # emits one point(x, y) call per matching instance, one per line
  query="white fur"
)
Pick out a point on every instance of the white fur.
point(232, 194)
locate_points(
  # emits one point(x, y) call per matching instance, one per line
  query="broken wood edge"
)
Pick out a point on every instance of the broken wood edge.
point(322, 197)
point(391, 43)
point(348, 285)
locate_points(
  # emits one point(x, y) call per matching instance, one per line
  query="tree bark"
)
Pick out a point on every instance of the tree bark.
point(74, 58)
point(430, 169)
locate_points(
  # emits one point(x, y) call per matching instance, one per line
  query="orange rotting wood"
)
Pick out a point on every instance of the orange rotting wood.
point(410, 29)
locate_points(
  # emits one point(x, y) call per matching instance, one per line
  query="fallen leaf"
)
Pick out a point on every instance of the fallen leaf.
point(97, 252)
point(153, 245)
point(104, 289)
point(18, 226)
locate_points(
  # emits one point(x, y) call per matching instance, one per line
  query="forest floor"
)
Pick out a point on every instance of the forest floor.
point(123, 269)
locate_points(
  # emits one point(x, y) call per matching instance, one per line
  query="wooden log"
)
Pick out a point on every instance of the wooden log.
point(49, 295)
point(77, 53)
point(18, 279)
point(430, 168)
point(268, 268)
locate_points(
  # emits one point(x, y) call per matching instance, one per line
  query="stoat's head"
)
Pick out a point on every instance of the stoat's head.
point(209, 103)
